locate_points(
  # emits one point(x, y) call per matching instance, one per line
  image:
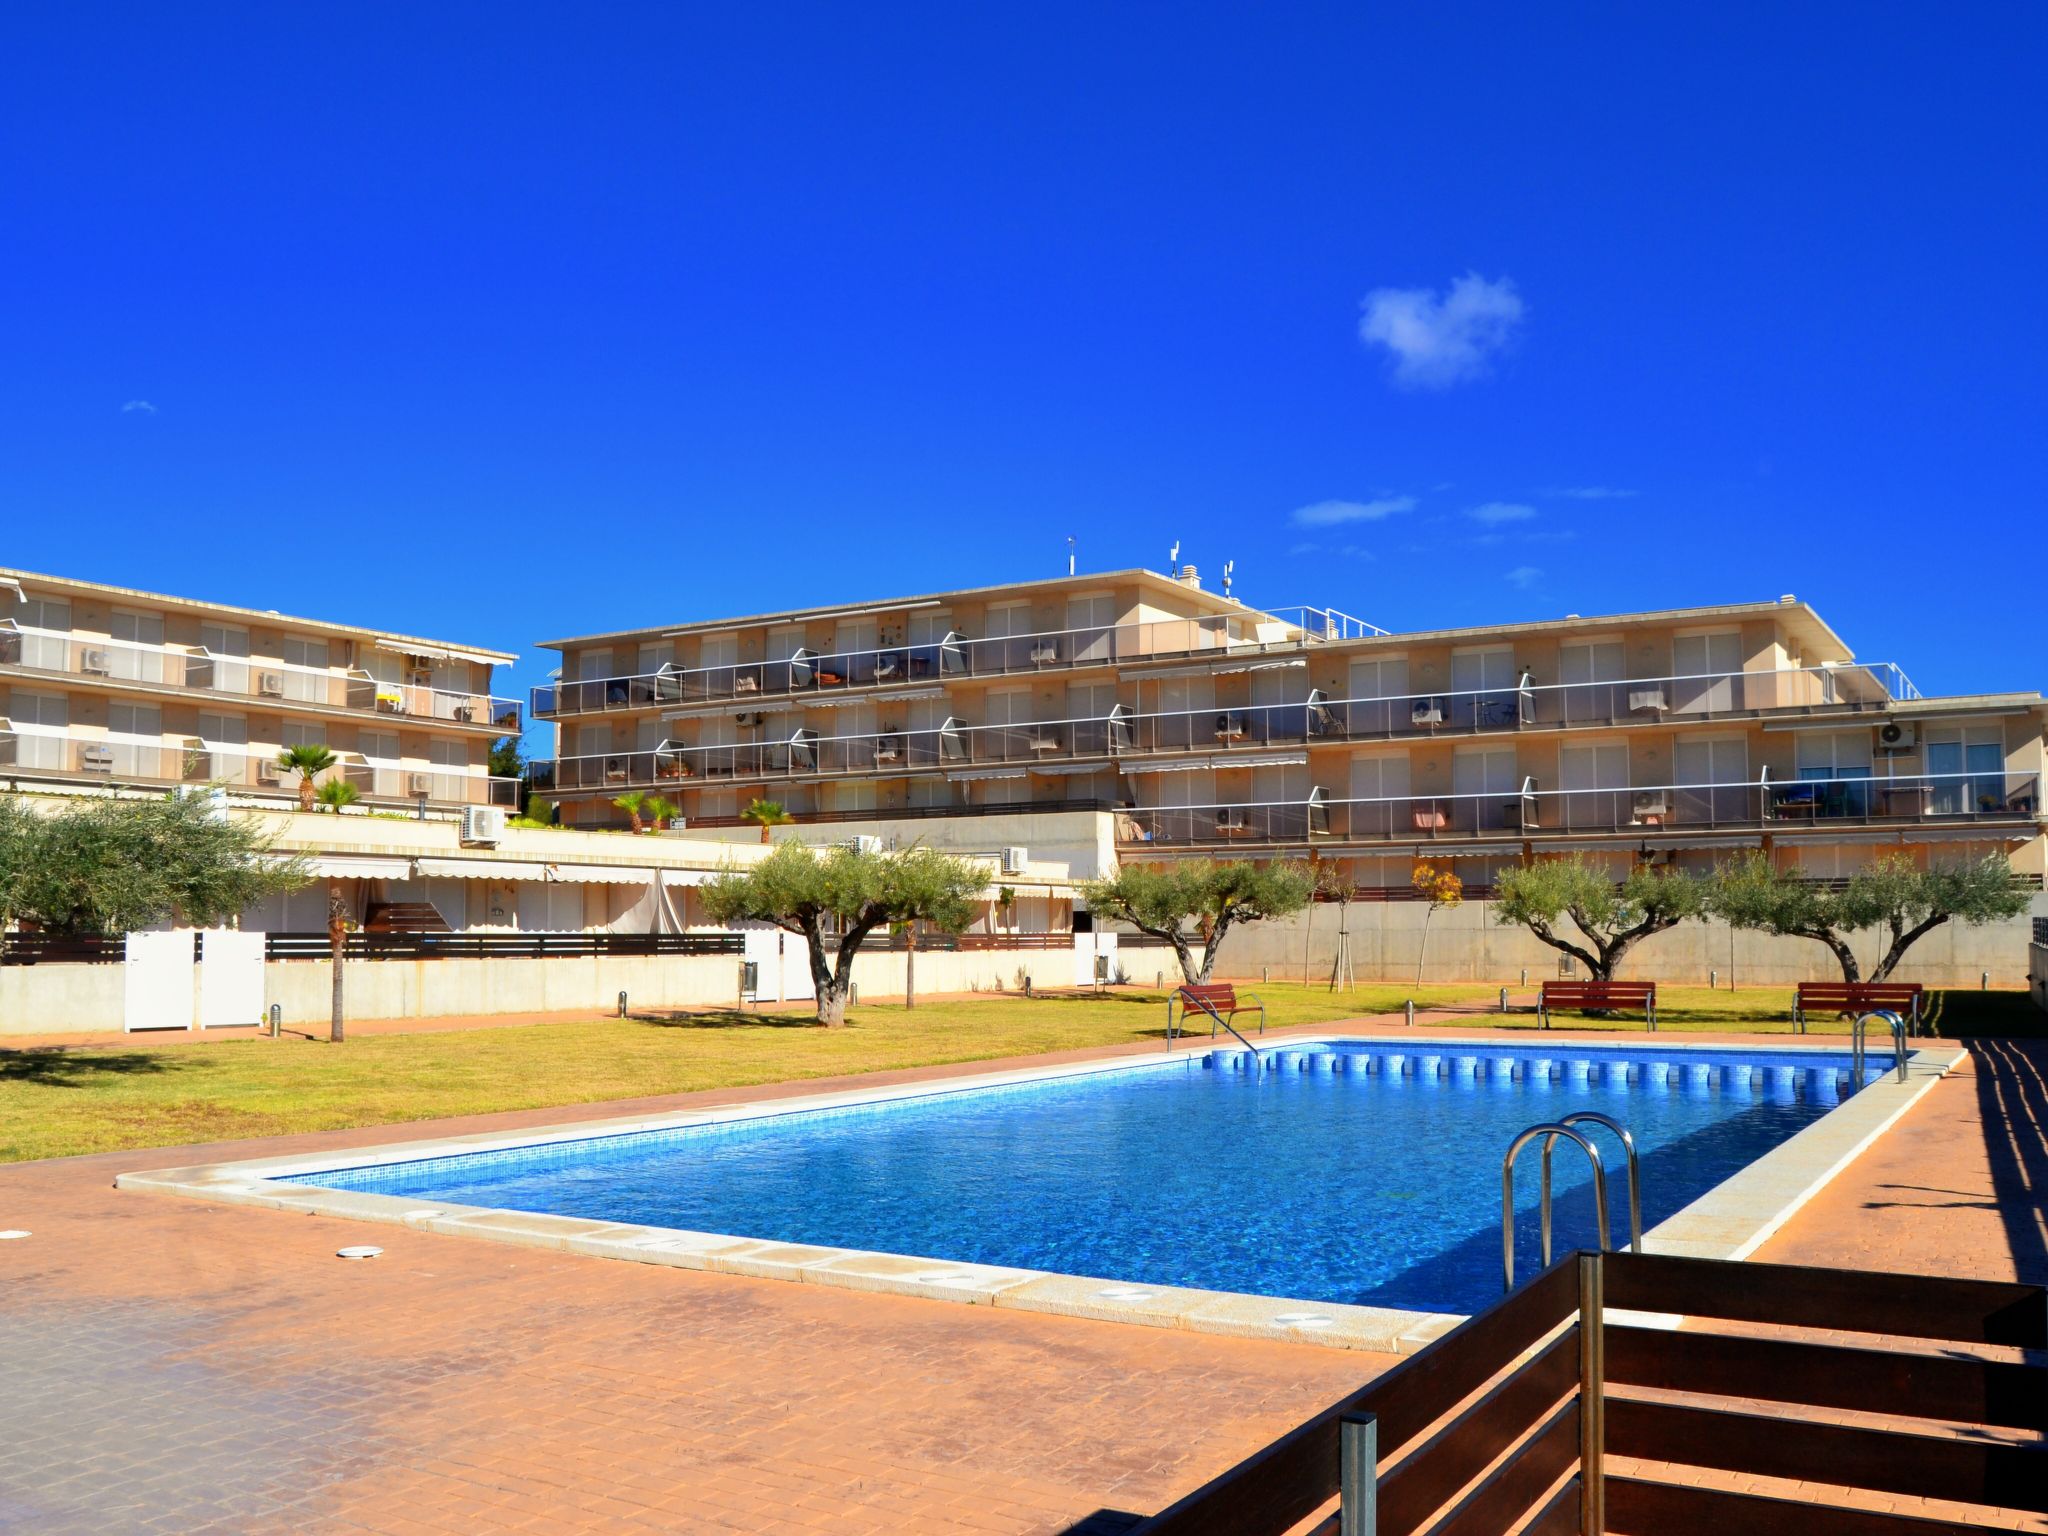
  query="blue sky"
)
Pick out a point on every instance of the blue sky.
point(502, 322)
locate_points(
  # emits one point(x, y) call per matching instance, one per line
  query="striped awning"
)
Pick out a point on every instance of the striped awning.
point(360, 866)
point(599, 874)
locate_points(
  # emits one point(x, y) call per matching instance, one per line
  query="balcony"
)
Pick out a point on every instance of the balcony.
point(64, 759)
point(197, 670)
point(1652, 812)
point(956, 657)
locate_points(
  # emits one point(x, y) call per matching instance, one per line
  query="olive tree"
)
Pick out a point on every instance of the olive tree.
point(106, 866)
point(1893, 895)
point(805, 891)
point(1162, 900)
point(1611, 918)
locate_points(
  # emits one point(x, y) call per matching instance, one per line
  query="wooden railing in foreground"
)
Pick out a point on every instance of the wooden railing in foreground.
point(1508, 1421)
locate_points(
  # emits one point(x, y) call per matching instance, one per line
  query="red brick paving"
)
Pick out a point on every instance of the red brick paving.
point(178, 1366)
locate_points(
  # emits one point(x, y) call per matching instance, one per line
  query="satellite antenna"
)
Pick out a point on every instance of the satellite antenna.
point(1228, 567)
point(1173, 558)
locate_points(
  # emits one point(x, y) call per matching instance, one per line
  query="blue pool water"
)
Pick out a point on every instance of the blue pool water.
point(1341, 1173)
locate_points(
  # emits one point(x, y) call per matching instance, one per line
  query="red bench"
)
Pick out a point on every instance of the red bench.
point(1219, 1000)
point(1857, 997)
point(1604, 996)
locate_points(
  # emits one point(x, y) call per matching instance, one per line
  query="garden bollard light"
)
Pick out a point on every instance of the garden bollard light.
point(276, 1019)
point(1713, 980)
point(1411, 1013)
point(622, 1005)
point(1503, 999)
point(1984, 981)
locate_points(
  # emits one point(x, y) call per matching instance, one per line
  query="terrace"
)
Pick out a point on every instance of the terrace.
point(59, 757)
point(1982, 802)
point(186, 670)
point(955, 656)
point(1242, 735)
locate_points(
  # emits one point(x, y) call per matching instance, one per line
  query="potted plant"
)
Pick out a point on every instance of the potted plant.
point(307, 760)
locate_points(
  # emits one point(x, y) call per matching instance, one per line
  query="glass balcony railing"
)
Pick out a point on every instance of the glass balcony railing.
point(1231, 734)
point(26, 754)
point(955, 656)
point(201, 671)
point(1417, 819)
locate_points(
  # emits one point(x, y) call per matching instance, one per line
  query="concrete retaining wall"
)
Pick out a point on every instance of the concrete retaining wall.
point(2037, 972)
point(51, 999)
point(1467, 944)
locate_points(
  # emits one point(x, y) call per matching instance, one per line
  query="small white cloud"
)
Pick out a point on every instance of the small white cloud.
point(139, 405)
point(1588, 493)
point(1325, 514)
point(1438, 340)
point(1494, 513)
point(1303, 549)
point(1524, 576)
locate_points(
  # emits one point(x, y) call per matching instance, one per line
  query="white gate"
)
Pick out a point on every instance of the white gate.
point(797, 986)
point(783, 964)
point(157, 981)
point(230, 978)
point(1095, 958)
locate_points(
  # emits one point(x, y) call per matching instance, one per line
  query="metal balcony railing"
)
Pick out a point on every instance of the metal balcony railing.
point(1641, 810)
point(199, 670)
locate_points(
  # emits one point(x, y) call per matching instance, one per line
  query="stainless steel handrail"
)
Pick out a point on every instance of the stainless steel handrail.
point(1258, 1059)
point(1635, 1180)
point(1551, 1129)
point(1898, 1029)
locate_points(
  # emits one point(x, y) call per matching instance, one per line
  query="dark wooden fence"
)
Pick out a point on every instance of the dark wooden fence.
point(498, 946)
point(1509, 1418)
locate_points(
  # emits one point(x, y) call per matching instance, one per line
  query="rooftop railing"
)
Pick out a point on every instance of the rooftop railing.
point(1411, 820)
point(200, 670)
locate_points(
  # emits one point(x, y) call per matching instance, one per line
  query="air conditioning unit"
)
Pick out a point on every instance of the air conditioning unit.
point(266, 771)
point(482, 825)
point(1014, 860)
point(270, 684)
point(1897, 736)
point(750, 717)
point(93, 661)
point(1650, 802)
point(419, 783)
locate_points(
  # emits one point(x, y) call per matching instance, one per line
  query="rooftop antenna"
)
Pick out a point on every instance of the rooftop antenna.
point(1070, 554)
point(1228, 567)
point(1173, 559)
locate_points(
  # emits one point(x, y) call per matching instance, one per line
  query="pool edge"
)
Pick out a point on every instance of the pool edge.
point(1730, 1221)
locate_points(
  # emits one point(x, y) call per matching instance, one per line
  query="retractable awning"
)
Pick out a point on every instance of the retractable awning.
point(687, 876)
point(1213, 760)
point(1897, 835)
point(437, 652)
point(976, 775)
point(599, 874)
point(360, 866)
point(481, 869)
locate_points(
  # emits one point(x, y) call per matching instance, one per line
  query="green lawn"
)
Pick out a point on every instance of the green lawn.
point(56, 1103)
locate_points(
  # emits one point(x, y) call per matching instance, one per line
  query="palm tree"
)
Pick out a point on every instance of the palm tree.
point(336, 793)
point(660, 812)
point(765, 814)
point(307, 760)
point(634, 804)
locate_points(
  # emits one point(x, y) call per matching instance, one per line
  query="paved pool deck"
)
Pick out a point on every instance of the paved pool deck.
point(182, 1366)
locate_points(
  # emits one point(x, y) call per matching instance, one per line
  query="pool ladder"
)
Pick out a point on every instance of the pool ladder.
point(1550, 1131)
point(1898, 1028)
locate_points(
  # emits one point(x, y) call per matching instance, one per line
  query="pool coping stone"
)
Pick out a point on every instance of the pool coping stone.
point(1730, 1221)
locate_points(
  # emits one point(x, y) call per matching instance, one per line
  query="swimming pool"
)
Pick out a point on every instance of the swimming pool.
point(1362, 1172)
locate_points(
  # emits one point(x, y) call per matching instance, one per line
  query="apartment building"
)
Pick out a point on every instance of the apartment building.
point(102, 687)
point(1199, 725)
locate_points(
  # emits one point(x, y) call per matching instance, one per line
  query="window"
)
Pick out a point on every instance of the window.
point(1702, 667)
point(1092, 618)
point(1589, 662)
point(229, 646)
point(304, 661)
point(1483, 682)
point(1841, 758)
point(51, 651)
point(1488, 784)
point(1379, 781)
point(1714, 773)
point(135, 733)
point(40, 721)
point(1966, 767)
point(302, 733)
point(380, 751)
point(137, 653)
point(1594, 783)
point(1383, 683)
point(451, 763)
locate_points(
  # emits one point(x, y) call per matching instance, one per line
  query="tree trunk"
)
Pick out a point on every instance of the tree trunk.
point(764, 831)
point(305, 791)
point(831, 1005)
point(1845, 957)
point(910, 966)
point(337, 940)
point(1422, 951)
point(1903, 941)
point(1191, 973)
